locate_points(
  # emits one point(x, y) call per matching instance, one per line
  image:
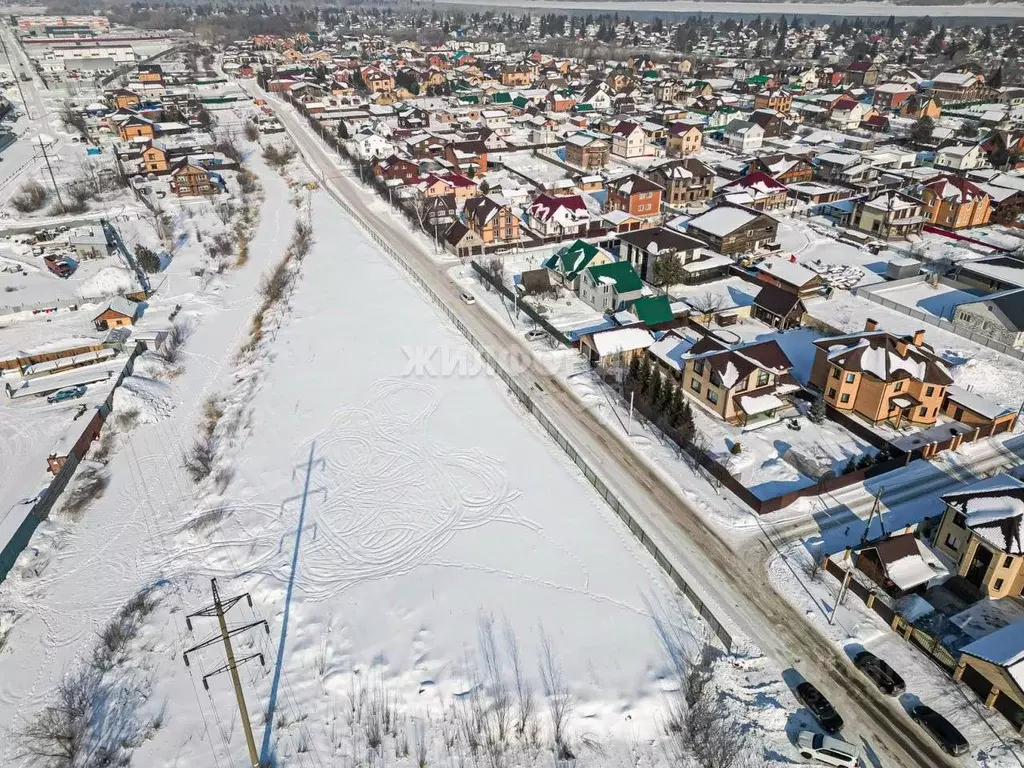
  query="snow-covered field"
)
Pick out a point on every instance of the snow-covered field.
point(939, 300)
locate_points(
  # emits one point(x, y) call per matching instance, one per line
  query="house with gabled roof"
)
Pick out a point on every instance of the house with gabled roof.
point(610, 286)
point(953, 202)
point(492, 218)
point(567, 263)
point(993, 667)
point(558, 216)
point(644, 247)
point(636, 195)
point(756, 190)
point(729, 228)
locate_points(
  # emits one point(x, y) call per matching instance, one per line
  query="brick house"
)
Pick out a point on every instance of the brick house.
point(863, 73)
point(881, 377)
point(684, 139)
point(492, 219)
point(587, 150)
point(889, 216)
point(685, 180)
point(635, 195)
point(955, 203)
point(778, 99)
point(558, 216)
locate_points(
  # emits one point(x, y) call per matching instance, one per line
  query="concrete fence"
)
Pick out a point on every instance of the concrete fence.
point(524, 397)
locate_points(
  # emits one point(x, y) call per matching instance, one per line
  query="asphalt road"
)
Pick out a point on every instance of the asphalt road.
point(733, 582)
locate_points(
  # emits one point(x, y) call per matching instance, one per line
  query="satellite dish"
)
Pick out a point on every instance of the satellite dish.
point(652, 248)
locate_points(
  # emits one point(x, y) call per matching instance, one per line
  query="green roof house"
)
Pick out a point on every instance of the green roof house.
point(570, 261)
point(607, 287)
point(653, 310)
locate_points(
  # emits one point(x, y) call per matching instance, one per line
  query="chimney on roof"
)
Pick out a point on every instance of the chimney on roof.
point(870, 325)
point(919, 338)
point(901, 346)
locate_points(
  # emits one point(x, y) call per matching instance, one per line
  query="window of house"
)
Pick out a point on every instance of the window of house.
point(928, 392)
point(898, 387)
point(832, 394)
point(844, 399)
point(835, 372)
point(998, 585)
point(850, 377)
point(959, 520)
point(952, 542)
point(695, 385)
point(698, 367)
point(923, 411)
point(762, 378)
point(1007, 562)
point(712, 396)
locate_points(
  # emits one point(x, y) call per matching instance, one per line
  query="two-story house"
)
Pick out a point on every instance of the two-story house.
point(567, 263)
point(881, 377)
point(587, 150)
point(743, 384)
point(628, 140)
point(743, 136)
point(636, 195)
point(861, 73)
point(778, 99)
point(952, 202)
point(610, 286)
point(889, 216)
point(685, 180)
point(731, 229)
point(982, 530)
point(191, 180)
point(558, 216)
point(756, 190)
point(644, 247)
point(683, 139)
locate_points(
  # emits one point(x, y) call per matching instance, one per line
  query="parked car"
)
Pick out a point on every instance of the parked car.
point(820, 707)
point(535, 334)
point(943, 731)
point(827, 750)
point(467, 297)
point(880, 673)
point(68, 393)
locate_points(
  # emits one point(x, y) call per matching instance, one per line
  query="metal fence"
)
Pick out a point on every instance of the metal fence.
point(529, 310)
point(939, 322)
point(523, 396)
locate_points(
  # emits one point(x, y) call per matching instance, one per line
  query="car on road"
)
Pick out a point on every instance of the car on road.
point(68, 393)
point(820, 707)
point(535, 334)
point(880, 673)
point(827, 750)
point(467, 297)
point(943, 731)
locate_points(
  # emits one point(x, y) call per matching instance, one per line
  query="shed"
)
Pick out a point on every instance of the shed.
point(902, 267)
point(118, 313)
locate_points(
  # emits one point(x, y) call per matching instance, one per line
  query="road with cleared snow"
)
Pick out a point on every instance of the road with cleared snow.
point(723, 576)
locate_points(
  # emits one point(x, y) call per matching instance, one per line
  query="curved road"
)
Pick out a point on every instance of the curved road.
point(726, 578)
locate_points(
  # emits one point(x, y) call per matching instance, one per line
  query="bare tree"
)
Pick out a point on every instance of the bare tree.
point(526, 708)
point(58, 737)
point(707, 305)
point(560, 700)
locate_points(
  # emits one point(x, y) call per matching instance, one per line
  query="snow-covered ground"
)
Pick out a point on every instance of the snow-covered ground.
point(939, 300)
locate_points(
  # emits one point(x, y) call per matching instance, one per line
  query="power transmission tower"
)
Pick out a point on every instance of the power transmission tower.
point(218, 609)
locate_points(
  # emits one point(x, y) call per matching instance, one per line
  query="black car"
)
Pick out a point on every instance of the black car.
point(943, 731)
point(820, 707)
point(880, 673)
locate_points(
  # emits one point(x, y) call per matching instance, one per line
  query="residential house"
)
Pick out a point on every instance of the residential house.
point(777, 99)
point(743, 136)
point(136, 126)
point(636, 195)
point(901, 565)
point(395, 168)
point(784, 169)
point(645, 247)
point(981, 530)
point(191, 180)
point(921, 105)
point(756, 190)
point(491, 217)
point(998, 316)
point(889, 216)
point(438, 213)
point(778, 307)
point(122, 98)
point(861, 73)
point(455, 184)
point(960, 86)
point(952, 202)
point(155, 159)
point(773, 123)
point(88, 242)
point(684, 139)
point(743, 384)
point(118, 313)
point(366, 144)
point(848, 168)
point(629, 140)
point(1004, 149)
point(463, 241)
point(891, 95)
point(993, 667)
point(558, 216)
point(731, 229)
point(587, 150)
point(613, 349)
point(685, 180)
point(960, 157)
point(881, 377)
point(787, 274)
point(567, 263)
point(610, 286)
point(846, 114)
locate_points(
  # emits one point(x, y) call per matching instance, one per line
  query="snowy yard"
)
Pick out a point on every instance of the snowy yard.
point(939, 300)
point(817, 250)
point(534, 168)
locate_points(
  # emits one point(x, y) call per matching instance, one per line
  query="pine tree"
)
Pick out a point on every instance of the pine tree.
point(865, 461)
point(818, 411)
point(686, 426)
point(851, 466)
point(664, 399)
point(654, 391)
point(643, 378)
point(675, 407)
point(634, 368)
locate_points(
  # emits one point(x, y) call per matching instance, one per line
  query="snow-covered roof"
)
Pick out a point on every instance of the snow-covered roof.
point(915, 570)
point(755, 404)
point(621, 340)
point(1005, 648)
point(787, 271)
point(722, 220)
point(974, 402)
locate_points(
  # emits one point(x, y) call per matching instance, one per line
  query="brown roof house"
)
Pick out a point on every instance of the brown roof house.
point(731, 228)
point(778, 307)
point(686, 180)
point(880, 376)
point(900, 565)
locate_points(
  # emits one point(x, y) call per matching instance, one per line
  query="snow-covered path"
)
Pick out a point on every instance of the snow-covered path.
point(121, 543)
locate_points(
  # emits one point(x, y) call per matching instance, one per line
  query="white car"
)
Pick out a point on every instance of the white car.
point(827, 750)
point(467, 297)
point(536, 334)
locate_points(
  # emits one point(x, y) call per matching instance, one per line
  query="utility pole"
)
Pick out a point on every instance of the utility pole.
point(874, 511)
point(56, 189)
point(17, 78)
point(218, 609)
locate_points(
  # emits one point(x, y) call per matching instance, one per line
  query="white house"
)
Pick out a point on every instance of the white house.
point(558, 216)
point(744, 136)
point(367, 145)
point(847, 114)
point(960, 158)
point(629, 140)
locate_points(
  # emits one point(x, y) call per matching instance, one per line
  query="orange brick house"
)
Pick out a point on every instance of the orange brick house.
point(453, 184)
point(779, 100)
point(636, 195)
point(136, 126)
point(492, 219)
point(955, 203)
point(880, 376)
point(155, 160)
point(122, 98)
